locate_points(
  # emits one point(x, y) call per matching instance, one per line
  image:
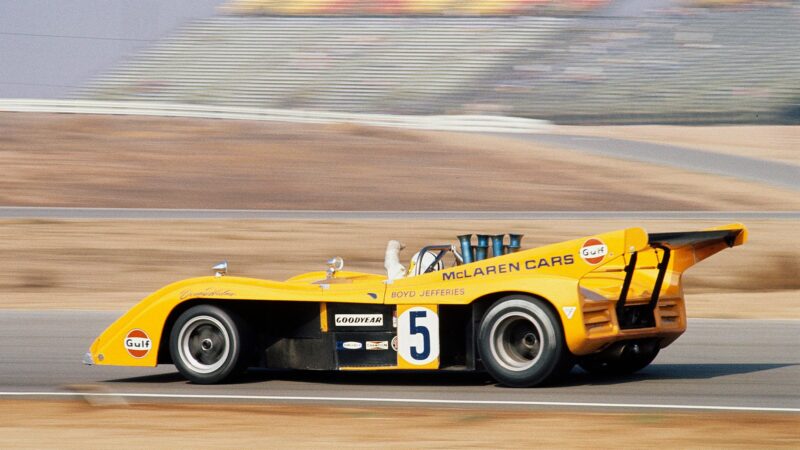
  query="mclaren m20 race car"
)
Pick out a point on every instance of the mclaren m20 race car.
point(607, 302)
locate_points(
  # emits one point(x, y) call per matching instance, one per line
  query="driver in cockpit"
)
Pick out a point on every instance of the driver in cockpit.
point(395, 270)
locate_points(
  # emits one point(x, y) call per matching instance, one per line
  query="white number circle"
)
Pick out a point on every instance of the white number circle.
point(418, 333)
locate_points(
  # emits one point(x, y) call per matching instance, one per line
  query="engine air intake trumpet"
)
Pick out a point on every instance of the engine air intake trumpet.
point(497, 244)
point(466, 248)
point(514, 242)
point(482, 249)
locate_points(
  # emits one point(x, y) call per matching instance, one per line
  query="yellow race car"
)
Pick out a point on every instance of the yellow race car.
point(608, 302)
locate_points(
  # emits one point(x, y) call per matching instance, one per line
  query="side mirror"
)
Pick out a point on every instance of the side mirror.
point(220, 269)
point(335, 264)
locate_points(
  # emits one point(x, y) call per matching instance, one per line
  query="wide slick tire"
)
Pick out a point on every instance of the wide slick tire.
point(521, 342)
point(209, 344)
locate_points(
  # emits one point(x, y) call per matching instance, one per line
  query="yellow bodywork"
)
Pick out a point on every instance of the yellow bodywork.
point(582, 292)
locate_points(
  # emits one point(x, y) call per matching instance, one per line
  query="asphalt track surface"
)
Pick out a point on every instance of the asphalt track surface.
point(22, 212)
point(769, 172)
point(725, 364)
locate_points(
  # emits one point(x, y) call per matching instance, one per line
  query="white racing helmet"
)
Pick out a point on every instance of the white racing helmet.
point(427, 259)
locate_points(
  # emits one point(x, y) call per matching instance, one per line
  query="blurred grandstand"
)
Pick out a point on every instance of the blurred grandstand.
point(409, 7)
point(567, 61)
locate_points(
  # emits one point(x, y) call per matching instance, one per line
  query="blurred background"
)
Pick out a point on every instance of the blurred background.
point(569, 61)
point(699, 96)
point(574, 105)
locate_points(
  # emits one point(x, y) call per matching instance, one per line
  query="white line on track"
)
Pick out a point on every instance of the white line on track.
point(400, 401)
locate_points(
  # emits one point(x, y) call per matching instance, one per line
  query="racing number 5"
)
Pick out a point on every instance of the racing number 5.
point(418, 337)
point(419, 329)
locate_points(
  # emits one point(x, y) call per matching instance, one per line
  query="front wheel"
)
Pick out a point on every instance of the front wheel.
point(521, 342)
point(207, 344)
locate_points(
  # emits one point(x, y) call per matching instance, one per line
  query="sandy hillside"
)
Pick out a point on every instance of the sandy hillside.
point(127, 161)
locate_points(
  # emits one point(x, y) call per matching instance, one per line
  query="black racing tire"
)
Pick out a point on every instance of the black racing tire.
point(521, 342)
point(626, 363)
point(209, 345)
point(563, 368)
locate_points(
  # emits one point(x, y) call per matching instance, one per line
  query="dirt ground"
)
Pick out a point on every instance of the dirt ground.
point(75, 424)
point(155, 162)
point(777, 143)
point(110, 264)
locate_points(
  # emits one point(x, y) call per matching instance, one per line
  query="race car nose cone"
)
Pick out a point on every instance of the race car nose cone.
point(87, 359)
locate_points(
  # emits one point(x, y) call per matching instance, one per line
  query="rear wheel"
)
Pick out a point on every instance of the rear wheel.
point(208, 344)
point(521, 342)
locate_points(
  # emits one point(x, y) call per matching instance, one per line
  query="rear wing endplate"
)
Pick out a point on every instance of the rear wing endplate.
point(701, 243)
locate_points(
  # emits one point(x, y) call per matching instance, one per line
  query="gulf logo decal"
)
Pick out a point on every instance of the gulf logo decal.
point(593, 251)
point(138, 343)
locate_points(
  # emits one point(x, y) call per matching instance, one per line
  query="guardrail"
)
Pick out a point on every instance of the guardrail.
point(485, 124)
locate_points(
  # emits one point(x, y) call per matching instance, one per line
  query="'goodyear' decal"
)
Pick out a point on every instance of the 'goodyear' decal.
point(358, 320)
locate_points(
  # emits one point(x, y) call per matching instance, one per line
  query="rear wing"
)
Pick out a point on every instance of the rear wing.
point(730, 235)
point(653, 267)
point(691, 247)
point(688, 247)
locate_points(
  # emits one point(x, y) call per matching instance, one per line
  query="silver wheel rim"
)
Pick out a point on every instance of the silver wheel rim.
point(516, 341)
point(204, 344)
